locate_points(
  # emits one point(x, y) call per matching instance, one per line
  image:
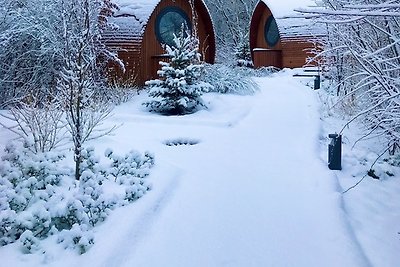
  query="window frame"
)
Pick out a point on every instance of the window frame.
point(165, 11)
point(267, 31)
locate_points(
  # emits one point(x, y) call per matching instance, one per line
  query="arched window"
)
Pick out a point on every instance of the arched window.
point(271, 32)
point(169, 22)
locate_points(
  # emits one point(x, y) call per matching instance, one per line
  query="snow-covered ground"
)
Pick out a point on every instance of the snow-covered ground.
point(251, 187)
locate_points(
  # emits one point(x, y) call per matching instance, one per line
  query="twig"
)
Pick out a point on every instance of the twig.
point(353, 186)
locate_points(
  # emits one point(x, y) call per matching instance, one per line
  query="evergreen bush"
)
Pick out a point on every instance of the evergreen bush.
point(39, 199)
point(179, 90)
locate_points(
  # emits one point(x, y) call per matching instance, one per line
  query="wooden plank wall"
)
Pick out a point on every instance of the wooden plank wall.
point(267, 57)
point(141, 52)
point(293, 50)
point(151, 49)
point(263, 54)
point(125, 44)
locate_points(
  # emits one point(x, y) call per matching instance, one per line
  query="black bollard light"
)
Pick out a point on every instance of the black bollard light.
point(317, 82)
point(335, 152)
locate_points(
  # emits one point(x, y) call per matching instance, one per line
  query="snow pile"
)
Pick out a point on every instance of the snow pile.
point(39, 197)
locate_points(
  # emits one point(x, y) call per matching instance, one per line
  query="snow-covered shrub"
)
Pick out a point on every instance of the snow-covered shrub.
point(78, 238)
point(361, 56)
point(121, 94)
point(181, 142)
point(26, 175)
point(71, 213)
point(37, 220)
point(245, 63)
point(228, 80)
point(37, 122)
point(129, 171)
point(136, 189)
point(38, 198)
point(29, 53)
point(258, 72)
point(242, 51)
point(132, 164)
point(8, 230)
point(29, 242)
point(90, 194)
point(27, 183)
point(89, 160)
point(21, 164)
point(179, 90)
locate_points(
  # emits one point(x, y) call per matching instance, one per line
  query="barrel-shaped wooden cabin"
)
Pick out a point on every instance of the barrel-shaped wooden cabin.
point(143, 27)
point(279, 37)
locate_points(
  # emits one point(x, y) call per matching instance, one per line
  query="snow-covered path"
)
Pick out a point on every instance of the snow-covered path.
point(254, 193)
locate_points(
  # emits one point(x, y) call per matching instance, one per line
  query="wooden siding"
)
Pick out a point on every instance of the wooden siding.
point(141, 52)
point(262, 53)
point(125, 43)
point(151, 49)
point(267, 57)
point(293, 51)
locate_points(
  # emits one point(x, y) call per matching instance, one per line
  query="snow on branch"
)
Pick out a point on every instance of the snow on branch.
point(358, 13)
point(362, 56)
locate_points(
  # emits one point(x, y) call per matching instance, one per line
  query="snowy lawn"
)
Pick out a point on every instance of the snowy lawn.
point(244, 183)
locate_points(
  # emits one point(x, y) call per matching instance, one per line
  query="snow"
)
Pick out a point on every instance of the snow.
point(140, 9)
point(132, 16)
point(246, 184)
point(286, 8)
point(290, 22)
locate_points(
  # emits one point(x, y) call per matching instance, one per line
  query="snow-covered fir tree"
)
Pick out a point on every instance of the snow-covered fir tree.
point(243, 53)
point(179, 89)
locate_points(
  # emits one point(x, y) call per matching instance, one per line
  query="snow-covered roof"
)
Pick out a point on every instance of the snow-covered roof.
point(140, 10)
point(283, 8)
point(132, 17)
point(290, 22)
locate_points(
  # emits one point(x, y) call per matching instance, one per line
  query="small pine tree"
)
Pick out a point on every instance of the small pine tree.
point(179, 90)
point(243, 53)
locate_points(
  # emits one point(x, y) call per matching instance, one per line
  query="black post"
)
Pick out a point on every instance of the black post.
point(335, 152)
point(317, 82)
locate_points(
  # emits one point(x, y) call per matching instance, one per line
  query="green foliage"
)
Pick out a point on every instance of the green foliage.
point(179, 89)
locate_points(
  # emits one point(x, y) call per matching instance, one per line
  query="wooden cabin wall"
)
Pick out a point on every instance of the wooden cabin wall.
point(261, 42)
point(295, 52)
point(151, 51)
point(267, 57)
point(263, 57)
point(127, 47)
point(206, 33)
